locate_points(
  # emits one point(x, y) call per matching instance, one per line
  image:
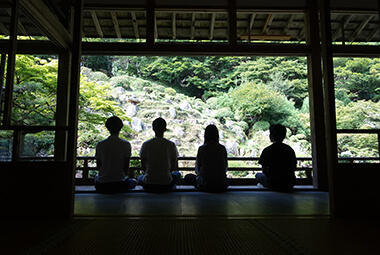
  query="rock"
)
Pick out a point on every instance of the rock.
point(168, 101)
point(232, 147)
point(131, 110)
point(176, 141)
point(137, 125)
point(185, 106)
point(178, 132)
point(221, 134)
point(230, 124)
point(172, 112)
point(117, 92)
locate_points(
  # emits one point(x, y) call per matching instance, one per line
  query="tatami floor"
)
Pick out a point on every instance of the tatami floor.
point(232, 203)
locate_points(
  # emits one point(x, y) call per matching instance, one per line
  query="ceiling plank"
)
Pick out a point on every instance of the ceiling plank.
point(96, 23)
point(19, 25)
point(115, 24)
point(338, 32)
point(47, 22)
point(268, 21)
point(212, 25)
point(135, 25)
point(192, 32)
point(3, 29)
point(290, 20)
point(360, 28)
point(373, 34)
point(174, 25)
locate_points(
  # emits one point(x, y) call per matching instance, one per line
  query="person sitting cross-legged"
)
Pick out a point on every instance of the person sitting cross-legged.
point(112, 160)
point(278, 161)
point(211, 164)
point(159, 161)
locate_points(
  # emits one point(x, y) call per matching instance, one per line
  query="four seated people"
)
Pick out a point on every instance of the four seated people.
point(160, 164)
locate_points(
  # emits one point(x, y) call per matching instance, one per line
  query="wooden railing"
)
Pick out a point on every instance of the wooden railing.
point(86, 169)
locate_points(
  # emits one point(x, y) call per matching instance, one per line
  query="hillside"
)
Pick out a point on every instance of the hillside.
point(142, 101)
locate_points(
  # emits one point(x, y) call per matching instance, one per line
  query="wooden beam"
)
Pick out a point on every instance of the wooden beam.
point(47, 22)
point(192, 30)
point(174, 33)
point(155, 27)
point(135, 25)
point(212, 24)
point(267, 23)
point(96, 23)
point(115, 24)
point(360, 28)
point(266, 37)
point(346, 21)
point(11, 64)
point(194, 49)
point(250, 25)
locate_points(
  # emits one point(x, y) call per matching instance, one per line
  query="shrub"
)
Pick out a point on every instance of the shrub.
point(170, 91)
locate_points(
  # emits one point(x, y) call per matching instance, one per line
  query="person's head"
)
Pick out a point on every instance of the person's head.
point(114, 125)
point(211, 134)
point(277, 133)
point(159, 126)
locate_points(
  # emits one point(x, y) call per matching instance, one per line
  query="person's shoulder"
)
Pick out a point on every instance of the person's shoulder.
point(288, 147)
point(100, 143)
point(167, 141)
point(148, 141)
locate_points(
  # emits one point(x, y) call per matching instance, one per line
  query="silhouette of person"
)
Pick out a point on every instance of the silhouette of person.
point(211, 164)
point(278, 161)
point(112, 160)
point(159, 161)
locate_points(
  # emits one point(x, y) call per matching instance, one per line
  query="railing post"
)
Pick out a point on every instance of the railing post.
point(85, 170)
point(378, 142)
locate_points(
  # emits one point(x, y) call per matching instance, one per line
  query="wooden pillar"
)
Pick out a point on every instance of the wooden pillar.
point(329, 98)
point(11, 63)
point(62, 113)
point(232, 30)
point(150, 23)
point(2, 74)
point(317, 125)
point(74, 99)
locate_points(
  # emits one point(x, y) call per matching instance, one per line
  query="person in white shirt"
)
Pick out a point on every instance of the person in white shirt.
point(112, 160)
point(159, 161)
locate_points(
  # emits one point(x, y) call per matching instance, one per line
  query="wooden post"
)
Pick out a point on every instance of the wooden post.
point(317, 125)
point(11, 64)
point(329, 98)
point(2, 73)
point(74, 98)
point(62, 117)
point(150, 23)
point(232, 30)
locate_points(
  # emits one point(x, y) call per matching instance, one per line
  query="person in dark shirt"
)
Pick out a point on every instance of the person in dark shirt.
point(211, 164)
point(278, 161)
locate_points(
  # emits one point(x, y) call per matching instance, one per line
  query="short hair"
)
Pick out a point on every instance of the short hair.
point(114, 124)
point(159, 125)
point(211, 134)
point(277, 132)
